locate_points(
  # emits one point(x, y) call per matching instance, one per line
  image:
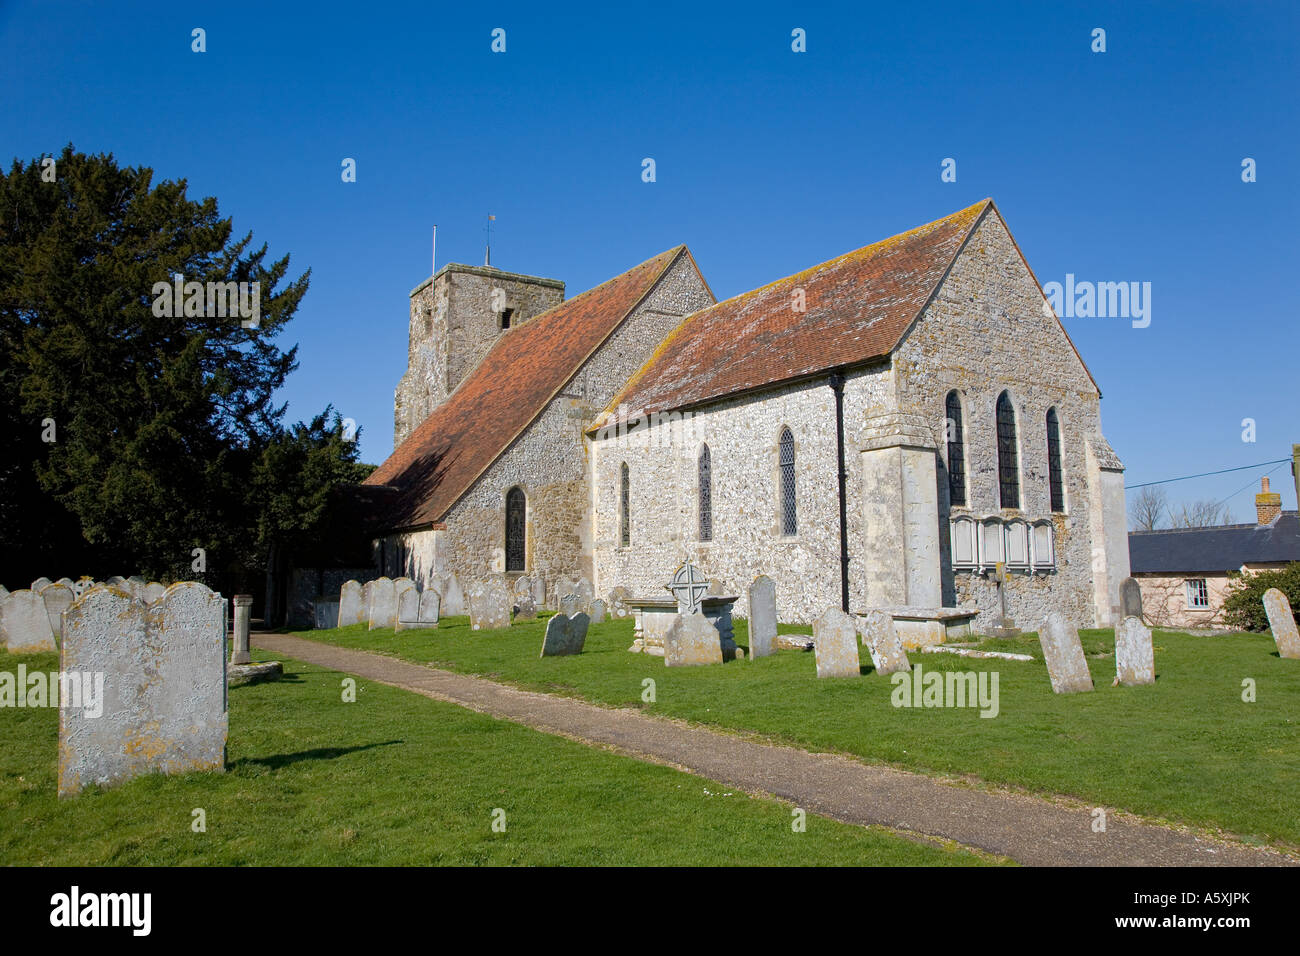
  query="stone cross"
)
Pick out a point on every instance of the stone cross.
point(1005, 627)
point(688, 588)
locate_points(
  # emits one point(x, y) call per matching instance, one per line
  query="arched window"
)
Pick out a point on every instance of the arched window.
point(1054, 461)
point(956, 451)
point(624, 507)
point(1008, 468)
point(789, 516)
point(706, 495)
point(516, 528)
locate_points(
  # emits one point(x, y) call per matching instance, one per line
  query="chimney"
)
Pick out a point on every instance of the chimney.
point(1268, 504)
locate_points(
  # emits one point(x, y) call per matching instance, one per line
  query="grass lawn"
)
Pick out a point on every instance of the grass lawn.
point(1187, 749)
point(396, 778)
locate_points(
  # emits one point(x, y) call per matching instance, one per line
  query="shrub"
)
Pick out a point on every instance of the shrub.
point(1244, 605)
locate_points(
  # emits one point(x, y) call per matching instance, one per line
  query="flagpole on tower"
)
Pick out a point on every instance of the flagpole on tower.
point(487, 253)
point(433, 255)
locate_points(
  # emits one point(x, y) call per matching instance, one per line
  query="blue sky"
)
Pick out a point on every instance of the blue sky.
point(1115, 166)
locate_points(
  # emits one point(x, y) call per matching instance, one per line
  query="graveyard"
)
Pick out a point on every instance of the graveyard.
point(396, 779)
point(1186, 749)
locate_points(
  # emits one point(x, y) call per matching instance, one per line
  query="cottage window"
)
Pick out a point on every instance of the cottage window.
point(1198, 594)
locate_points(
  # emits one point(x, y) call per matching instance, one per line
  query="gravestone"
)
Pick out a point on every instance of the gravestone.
point(1130, 598)
point(66, 582)
point(522, 585)
point(418, 610)
point(565, 635)
point(350, 611)
point(597, 611)
point(617, 603)
point(403, 584)
point(453, 598)
point(692, 640)
point(383, 604)
point(525, 609)
point(26, 624)
point(883, 642)
point(570, 604)
point(164, 689)
point(57, 598)
point(1281, 621)
point(116, 581)
point(1134, 659)
point(82, 585)
point(489, 605)
point(762, 616)
point(1063, 653)
point(579, 586)
point(153, 591)
point(539, 592)
point(835, 642)
point(136, 586)
point(1004, 627)
point(4, 592)
point(325, 614)
point(367, 590)
point(40, 584)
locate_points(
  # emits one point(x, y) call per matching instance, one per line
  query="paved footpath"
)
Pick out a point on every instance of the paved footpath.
point(1030, 830)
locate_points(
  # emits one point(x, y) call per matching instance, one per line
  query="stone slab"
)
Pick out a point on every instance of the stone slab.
point(692, 640)
point(1130, 598)
point(1281, 621)
point(489, 605)
point(57, 598)
point(350, 604)
point(598, 610)
point(762, 616)
point(164, 697)
point(883, 642)
point(25, 623)
point(1134, 657)
point(383, 604)
point(565, 635)
point(325, 614)
point(835, 642)
point(1066, 665)
point(237, 675)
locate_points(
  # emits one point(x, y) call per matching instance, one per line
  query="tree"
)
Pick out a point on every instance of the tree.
point(136, 430)
point(1243, 607)
point(1200, 514)
point(1148, 508)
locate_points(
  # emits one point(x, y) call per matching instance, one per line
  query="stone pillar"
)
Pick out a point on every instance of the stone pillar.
point(1108, 521)
point(901, 514)
point(243, 618)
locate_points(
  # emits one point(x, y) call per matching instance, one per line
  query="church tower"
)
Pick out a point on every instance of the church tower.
point(456, 317)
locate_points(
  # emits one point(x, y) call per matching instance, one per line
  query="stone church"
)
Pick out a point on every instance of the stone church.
point(881, 430)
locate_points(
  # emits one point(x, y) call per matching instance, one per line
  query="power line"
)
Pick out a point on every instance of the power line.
point(1206, 474)
point(1248, 484)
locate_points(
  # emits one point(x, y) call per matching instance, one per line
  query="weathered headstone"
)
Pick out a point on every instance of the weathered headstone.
point(401, 588)
point(135, 587)
point(489, 605)
point(762, 616)
point(416, 610)
point(1281, 621)
point(688, 588)
point(1066, 665)
point(883, 642)
point(597, 611)
point(57, 598)
point(153, 591)
point(4, 592)
point(539, 592)
point(67, 582)
point(350, 610)
point(403, 584)
point(325, 613)
point(453, 598)
point(239, 653)
point(1130, 598)
point(163, 698)
point(692, 640)
point(82, 585)
point(565, 635)
point(40, 584)
point(116, 581)
point(617, 603)
point(26, 624)
point(835, 642)
point(570, 604)
point(525, 609)
point(1134, 658)
point(383, 604)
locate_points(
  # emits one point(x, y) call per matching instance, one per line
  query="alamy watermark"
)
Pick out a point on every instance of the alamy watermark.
point(946, 689)
point(178, 298)
point(1101, 300)
point(68, 690)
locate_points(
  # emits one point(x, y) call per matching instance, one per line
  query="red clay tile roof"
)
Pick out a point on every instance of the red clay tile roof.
point(859, 306)
point(522, 372)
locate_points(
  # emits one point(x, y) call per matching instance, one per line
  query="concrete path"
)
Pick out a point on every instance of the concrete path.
point(1030, 830)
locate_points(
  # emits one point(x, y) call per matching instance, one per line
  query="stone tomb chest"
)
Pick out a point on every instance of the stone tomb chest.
point(654, 617)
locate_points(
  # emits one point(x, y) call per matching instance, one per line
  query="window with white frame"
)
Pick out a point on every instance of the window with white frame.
point(1198, 594)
